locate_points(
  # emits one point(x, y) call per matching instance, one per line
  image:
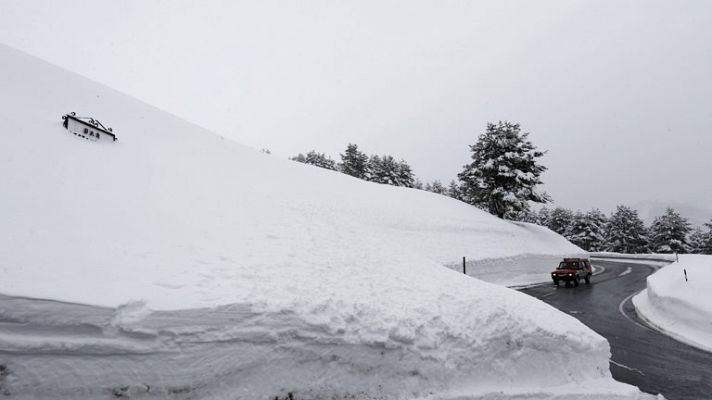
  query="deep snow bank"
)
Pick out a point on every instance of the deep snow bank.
point(681, 308)
point(179, 217)
point(212, 271)
point(654, 259)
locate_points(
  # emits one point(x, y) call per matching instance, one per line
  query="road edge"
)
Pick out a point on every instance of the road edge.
point(672, 335)
point(640, 319)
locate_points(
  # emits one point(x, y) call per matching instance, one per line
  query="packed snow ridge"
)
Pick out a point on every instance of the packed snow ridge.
point(678, 300)
point(174, 263)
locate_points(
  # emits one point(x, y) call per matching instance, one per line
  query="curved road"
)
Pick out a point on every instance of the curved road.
point(641, 355)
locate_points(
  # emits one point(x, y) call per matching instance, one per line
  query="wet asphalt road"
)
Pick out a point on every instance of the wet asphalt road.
point(641, 356)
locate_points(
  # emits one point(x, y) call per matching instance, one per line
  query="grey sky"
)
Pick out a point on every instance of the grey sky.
point(618, 92)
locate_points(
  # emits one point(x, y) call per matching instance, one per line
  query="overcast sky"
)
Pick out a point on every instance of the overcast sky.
point(618, 92)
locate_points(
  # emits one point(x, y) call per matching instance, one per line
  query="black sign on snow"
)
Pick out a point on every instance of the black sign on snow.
point(88, 128)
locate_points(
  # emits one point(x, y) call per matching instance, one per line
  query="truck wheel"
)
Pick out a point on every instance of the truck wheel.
point(576, 281)
point(556, 282)
point(588, 279)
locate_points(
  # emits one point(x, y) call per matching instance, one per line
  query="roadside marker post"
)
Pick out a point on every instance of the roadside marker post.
point(464, 267)
point(685, 271)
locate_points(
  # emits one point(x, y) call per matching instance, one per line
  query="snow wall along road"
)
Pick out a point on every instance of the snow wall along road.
point(174, 263)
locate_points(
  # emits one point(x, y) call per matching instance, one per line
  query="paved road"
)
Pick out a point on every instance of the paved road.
point(641, 356)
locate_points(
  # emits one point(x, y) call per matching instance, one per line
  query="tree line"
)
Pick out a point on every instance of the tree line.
point(624, 232)
point(383, 169)
point(503, 178)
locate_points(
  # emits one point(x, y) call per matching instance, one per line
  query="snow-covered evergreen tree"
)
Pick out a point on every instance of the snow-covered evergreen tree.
point(698, 240)
point(707, 242)
point(626, 232)
point(418, 184)
point(543, 216)
point(374, 170)
point(530, 217)
point(587, 231)
point(599, 224)
point(317, 159)
point(320, 160)
point(382, 170)
point(454, 190)
point(560, 220)
point(354, 162)
point(576, 229)
point(504, 173)
point(385, 169)
point(404, 174)
point(668, 233)
point(299, 158)
point(436, 187)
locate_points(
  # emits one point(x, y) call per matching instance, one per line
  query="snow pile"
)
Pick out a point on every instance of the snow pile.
point(680, 308)
point(183, 265)
point(627, 256)
point(655, 260)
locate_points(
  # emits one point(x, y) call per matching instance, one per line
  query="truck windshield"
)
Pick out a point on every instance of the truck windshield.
point(569, 265)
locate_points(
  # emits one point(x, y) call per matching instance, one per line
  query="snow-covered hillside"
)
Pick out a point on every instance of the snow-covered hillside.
point(178, 217)
point(681, 308)
point(177, 264)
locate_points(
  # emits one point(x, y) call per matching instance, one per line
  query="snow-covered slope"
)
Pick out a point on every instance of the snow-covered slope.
point(208, 270)
point(179, 217)
point(681, 308)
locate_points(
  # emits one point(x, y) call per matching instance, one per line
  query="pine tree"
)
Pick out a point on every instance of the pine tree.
point(599, 223)
point(668, 233)
point(543, 216)
point(522, 216)
point(374, 170)
point(587, 231)
point(576, 229)
point(385, 169)
point(317, 159)
point(504, 172)
point(382, 169)
point(436, 187)
point(454, 190)
point(299, 158)
point(698, 240)
point(707, 243)
point(626, 232)
point(404, 175)
point(320, 160)
point(530, 217)
point(560, 220)
point(354, 162)
point(418, 184)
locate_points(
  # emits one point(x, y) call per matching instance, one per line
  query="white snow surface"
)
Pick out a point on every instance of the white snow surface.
point(656, 260)
point(667, 258)
point(177, 264)
point(682, 309)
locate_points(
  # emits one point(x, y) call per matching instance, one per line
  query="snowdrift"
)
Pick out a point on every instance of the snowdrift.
point(174, 263)
point(682, 309)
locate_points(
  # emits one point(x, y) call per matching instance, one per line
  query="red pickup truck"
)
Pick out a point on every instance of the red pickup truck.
point(573, 270)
